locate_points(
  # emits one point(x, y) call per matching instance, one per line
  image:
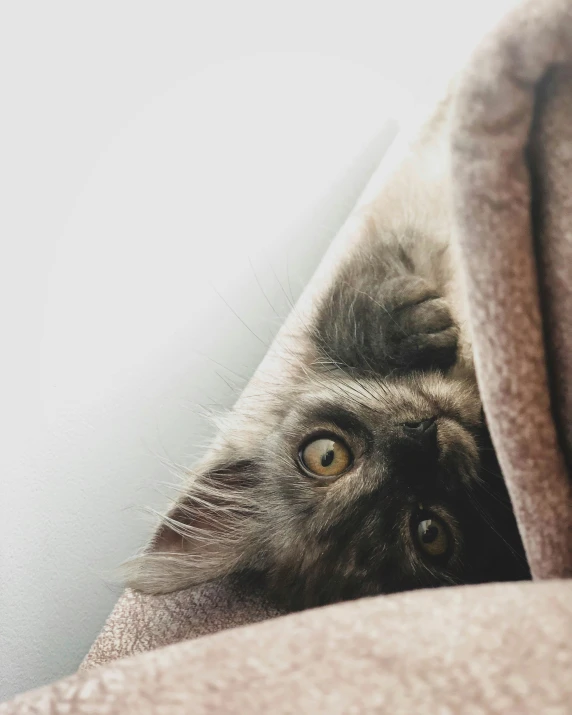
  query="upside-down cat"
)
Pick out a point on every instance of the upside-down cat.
point(370, 471)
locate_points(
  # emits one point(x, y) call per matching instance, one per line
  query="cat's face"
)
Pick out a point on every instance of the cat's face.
point(353, 487)
point(378, 486)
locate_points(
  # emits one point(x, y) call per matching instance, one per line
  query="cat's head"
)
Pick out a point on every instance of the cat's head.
point(351, 486)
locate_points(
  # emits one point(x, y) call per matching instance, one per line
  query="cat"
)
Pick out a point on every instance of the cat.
point(369, 468)
point(371, 473)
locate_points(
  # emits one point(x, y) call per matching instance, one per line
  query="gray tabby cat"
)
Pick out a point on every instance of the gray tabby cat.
point(370, 469)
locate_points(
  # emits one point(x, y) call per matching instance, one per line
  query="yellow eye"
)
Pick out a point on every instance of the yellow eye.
point(432, 536)
point(326, 457)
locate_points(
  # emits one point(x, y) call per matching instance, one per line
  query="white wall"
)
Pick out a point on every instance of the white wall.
point(159, 163)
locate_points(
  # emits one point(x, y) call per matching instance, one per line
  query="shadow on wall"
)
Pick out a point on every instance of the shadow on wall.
point(154, 302)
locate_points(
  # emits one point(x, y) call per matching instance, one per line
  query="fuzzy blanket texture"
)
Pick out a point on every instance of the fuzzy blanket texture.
point(507, 142)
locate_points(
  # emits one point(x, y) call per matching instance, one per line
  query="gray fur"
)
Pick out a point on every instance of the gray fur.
point(381, 352)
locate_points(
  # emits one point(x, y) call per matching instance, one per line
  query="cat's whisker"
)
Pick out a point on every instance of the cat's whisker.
point(356, 382)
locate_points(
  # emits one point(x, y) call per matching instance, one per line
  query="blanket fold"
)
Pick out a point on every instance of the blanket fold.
point(452, 650)
point(511, 142)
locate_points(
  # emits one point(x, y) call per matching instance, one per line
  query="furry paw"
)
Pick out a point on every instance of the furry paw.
point(418, 331)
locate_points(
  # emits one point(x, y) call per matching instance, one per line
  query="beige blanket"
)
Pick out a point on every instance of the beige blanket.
point(495, 648)
point(455, 650)
point(511, 142)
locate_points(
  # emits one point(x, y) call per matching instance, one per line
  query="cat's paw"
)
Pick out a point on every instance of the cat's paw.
point(420, 332)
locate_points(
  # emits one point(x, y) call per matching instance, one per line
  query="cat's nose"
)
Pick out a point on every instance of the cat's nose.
point(423, 433)
point(422, 427)
point(418, 455)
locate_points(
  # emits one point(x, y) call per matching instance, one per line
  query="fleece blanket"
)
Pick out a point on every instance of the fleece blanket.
point(456, 650)
point(495, 162)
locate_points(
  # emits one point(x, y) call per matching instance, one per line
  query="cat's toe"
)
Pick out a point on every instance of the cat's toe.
point(429, 350)
point(429, 316)
point(423, 334)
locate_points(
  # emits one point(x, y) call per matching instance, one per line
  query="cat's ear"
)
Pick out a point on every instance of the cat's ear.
point(210, 532)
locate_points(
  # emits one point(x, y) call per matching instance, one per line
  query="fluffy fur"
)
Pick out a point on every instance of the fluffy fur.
point(381, 353)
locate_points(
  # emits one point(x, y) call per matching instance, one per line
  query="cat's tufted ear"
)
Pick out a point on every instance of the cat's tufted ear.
point(210, 532)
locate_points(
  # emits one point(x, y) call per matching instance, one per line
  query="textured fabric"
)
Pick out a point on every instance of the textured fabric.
point(495, 107)
point(140, 622)
point(484, 649)
point(495, 648)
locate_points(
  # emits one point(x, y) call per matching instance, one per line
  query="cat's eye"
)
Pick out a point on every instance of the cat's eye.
point(326, 457)
point(433, 537)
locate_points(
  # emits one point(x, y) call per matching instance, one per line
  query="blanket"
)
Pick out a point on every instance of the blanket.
point(503, 142)
point(482, 649)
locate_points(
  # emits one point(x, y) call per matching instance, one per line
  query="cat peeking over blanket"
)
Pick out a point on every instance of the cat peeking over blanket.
point(370, 472)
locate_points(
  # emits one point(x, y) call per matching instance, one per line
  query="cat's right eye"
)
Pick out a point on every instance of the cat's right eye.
point(326, 457)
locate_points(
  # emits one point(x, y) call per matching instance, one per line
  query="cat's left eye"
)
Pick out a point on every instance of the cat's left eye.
point(326, 457)
point(433, 537)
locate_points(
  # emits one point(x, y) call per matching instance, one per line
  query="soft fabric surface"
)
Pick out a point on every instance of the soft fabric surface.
point(474, 650)
point(495, 648)
point(140, 622)
point(495, 107)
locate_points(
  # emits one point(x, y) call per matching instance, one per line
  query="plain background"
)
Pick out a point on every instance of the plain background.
point(171, 174)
